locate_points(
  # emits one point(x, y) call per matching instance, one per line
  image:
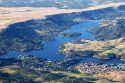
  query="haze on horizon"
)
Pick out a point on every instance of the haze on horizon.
point(67, 4)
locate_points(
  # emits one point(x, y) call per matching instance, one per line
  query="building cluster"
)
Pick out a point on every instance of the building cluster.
point(96, 68)
point(31, 62)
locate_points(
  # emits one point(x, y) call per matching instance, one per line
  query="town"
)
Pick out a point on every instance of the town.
point(96, 68)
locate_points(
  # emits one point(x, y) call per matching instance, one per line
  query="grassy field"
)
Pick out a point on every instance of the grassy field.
point(99, 49)
point(20, 14)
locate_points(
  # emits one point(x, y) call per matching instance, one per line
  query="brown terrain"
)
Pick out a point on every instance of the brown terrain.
point(115, 76)
point(8, 69)
point(13, 15)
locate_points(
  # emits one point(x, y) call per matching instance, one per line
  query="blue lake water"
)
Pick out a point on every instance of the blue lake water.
point(51, 48)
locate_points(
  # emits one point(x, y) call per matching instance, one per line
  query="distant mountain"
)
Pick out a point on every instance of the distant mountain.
point(55, 3)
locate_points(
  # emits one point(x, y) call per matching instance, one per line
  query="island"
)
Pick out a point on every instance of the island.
point(70, 34)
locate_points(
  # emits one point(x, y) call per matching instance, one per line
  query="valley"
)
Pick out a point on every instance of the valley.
point(39, 30)
point(62, 45)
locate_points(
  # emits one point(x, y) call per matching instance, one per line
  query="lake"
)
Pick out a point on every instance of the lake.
point(51, 48)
